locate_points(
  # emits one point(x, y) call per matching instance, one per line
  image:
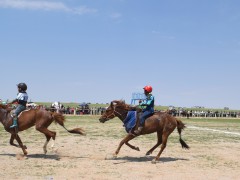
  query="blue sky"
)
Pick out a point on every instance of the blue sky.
point(101, 50)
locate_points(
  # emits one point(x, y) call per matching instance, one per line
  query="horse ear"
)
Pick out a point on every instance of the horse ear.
point(115, 101)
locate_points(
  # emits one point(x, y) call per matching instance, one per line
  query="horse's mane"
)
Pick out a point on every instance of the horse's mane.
point(122, 104)
point(3, 106)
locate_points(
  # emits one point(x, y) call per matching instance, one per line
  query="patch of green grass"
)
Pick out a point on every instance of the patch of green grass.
point(114, 130)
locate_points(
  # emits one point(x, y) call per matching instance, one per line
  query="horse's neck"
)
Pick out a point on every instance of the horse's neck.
point(5, 118)
point(123, 115)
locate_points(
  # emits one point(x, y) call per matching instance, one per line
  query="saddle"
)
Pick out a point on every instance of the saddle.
point(12, 112)
point(131, 121)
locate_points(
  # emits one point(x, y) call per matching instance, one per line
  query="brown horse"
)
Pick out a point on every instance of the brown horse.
point(38, 117)
point(162, 123)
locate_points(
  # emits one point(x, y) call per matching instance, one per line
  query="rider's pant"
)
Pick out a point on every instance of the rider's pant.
point(18, 110)
point(144, 116)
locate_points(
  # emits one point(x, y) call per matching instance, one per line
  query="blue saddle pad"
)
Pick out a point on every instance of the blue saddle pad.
point(130, 121)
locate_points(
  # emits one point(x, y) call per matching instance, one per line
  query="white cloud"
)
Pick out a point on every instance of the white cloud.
point(84, 10)
point(116, 15)
point(44, 5)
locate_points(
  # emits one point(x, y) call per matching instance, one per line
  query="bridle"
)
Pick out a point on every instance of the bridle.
point(113, 114)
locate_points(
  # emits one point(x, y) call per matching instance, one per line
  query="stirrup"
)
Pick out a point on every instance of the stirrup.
point(132, 134)
point(138, 131)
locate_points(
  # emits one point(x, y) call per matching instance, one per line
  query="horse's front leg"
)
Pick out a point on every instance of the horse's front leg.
point(125, 140)
point(12, 139)
point(131, 146)
point(13, 144)
point(21, 144)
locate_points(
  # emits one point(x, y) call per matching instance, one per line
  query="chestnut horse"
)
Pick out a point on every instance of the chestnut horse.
point(162, 123)
point(39, 118)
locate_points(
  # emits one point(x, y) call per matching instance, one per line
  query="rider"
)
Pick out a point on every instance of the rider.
point(21, 99)
point(148, 103)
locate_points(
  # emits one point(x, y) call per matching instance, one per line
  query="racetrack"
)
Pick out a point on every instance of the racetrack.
point(214, 154)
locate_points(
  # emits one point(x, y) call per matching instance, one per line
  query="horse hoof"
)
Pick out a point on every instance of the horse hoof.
point(25, 147)
point(21, 157)
point(55, 150)
point(137, 149)
point(25, 153)
point(25, 157)
point(148, 153)
point(110, 157)
point(154, 161)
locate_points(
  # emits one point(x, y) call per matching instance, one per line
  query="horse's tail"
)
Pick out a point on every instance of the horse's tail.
point(59, 118)
point(180, 127)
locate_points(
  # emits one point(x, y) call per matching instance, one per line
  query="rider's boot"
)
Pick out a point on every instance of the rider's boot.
point(138, 130)
point(14, 123)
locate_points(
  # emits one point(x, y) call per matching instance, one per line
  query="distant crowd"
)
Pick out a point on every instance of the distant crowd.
point(201, 113)
point(76, 110)
point(85, 109)
point(81, 111)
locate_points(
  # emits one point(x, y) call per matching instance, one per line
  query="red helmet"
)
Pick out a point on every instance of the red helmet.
point(148, 89)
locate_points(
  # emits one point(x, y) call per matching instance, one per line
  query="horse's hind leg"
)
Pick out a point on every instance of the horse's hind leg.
point(164, 144)
point(159, 135)
point(48, 134)
point(46, 143)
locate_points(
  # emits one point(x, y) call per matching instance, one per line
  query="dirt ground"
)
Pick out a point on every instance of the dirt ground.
point(90, 157)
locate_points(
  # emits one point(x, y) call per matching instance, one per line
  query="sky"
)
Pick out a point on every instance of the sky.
point(102, 50)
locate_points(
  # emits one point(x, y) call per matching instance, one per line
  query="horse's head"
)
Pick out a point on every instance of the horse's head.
point(6, 107)
point(116, 109)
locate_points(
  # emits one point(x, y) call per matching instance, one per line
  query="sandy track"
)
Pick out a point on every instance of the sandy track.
point(88, 158)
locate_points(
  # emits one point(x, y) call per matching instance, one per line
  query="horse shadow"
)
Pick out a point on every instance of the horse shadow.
point(43, 156)
point(148, 158)
point(35, 156)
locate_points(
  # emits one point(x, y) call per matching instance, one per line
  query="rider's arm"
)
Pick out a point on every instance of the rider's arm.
point(13, 101)
point(147, 102)
point(135, 108)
